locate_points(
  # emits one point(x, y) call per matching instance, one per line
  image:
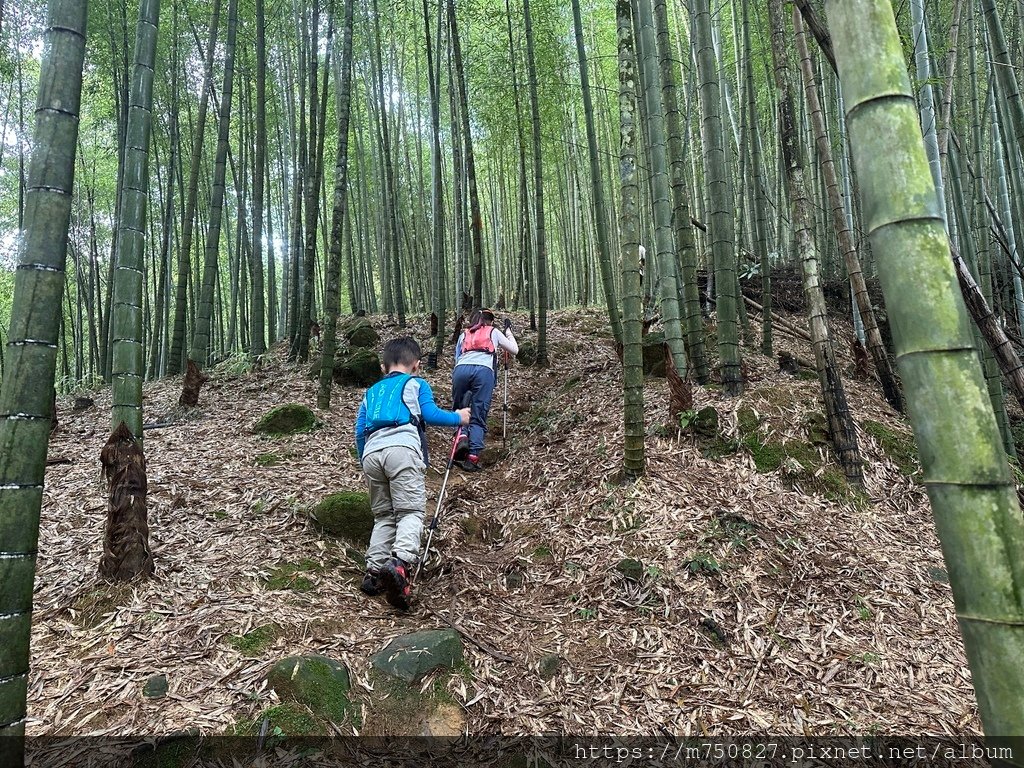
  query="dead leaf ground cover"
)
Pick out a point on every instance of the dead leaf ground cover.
point(755, 602)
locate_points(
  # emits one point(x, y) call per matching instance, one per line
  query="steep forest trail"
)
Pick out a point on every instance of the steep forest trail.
point(739, 587)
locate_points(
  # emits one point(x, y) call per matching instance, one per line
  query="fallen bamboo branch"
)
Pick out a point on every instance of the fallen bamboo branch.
point(799, 332)
point(489, 649)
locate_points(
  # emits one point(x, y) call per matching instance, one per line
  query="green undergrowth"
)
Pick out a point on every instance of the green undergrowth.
point(395, 708)
point(256, 641)
point(287, 719)
point(900, 448)
point(801, 462)
point(290, 575)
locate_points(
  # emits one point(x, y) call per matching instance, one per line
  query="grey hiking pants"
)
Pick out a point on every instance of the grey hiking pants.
point(398, 500)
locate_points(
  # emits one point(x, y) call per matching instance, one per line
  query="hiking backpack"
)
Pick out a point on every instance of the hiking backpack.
point(478, 340)
point(385, 407)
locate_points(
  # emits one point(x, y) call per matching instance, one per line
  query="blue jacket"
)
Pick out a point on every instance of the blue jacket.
point(419, 399)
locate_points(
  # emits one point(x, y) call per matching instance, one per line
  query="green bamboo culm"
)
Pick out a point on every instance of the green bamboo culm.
point(127, 369)
point(629, 248)
point(965, 470)
point(26, 400)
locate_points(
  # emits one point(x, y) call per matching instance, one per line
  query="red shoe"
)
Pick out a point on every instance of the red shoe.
point(394, 578)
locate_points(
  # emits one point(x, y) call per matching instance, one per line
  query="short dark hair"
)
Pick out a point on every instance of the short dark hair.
point(404, 350)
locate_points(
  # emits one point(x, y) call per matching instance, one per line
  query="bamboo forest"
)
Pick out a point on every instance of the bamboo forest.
point(511, 383)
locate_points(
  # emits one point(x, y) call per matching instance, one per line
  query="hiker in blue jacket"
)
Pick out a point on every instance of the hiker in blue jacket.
point(475, 374)
point(391, 442)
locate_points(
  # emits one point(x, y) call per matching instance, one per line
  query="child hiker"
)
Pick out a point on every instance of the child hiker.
point(391, 441)
point(475, 374)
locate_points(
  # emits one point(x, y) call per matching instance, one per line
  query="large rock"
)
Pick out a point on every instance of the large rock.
point(286, 420)
point(345, 515)
point(359, 333)
point(320, 683)
point(412, 657)
point(654, 354)
point(355, 367)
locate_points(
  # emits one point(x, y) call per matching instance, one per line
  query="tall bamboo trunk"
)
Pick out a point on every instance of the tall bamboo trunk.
point(629, 238)
point(720, 203)
point(200, 346)
point(26, 400)
point(841, 427)
point(331, 300)
point(879, 355)
point(965, 471)
point(538, 193)
point(597, 184)
point(438, 287)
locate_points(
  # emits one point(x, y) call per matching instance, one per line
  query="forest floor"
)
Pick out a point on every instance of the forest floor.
point(769, 597)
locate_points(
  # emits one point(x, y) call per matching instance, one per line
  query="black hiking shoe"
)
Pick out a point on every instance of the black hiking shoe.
point(371, 584)
point(461, 449)
point(471, 464)
point(394, 579)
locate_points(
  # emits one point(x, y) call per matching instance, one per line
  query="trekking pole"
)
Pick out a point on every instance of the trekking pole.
point(440, 500)
point(504, 411)
point(466, 401)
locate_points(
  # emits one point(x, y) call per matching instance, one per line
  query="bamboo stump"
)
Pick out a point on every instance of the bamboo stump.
point(126, 536)
point(194, 380)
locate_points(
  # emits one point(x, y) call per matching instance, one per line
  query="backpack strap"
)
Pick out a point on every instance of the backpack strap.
point(414, 420)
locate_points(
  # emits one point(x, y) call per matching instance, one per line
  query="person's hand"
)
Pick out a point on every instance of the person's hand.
point(463, 416)
point(508, 325)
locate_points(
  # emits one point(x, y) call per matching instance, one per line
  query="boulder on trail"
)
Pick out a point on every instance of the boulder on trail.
point(345, 515)
point(353, 367)
point(412, 657)
point(359, 333)
point(287, 419)
point(322, 684)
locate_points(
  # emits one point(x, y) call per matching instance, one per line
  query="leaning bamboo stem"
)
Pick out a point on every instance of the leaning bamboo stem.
point(965, 470)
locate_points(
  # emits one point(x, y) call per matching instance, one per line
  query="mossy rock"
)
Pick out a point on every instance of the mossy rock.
point(174, 751)
point(747, 421)
point(412, 657)
point(345, 515)
point(353, 367)
point(93, 606)
point(292, 720)
point(549, 665)
point(155, 687)
point(358, 332)
point(288, 419)
point(654, 354)
point(631, 569)
point(267, 459)
point(705, 422)
point(320, 683)
point(483, 527)
point(527, 354)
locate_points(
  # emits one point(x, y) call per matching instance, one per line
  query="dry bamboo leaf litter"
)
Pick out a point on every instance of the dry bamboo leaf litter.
point(760, 606)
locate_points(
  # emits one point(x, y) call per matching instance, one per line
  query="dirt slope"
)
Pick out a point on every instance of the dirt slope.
point(771, 600)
